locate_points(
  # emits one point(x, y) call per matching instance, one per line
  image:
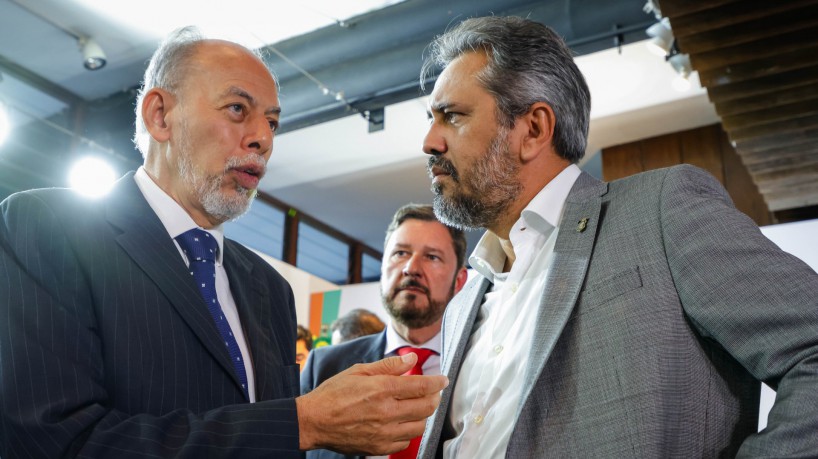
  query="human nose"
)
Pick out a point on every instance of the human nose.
point(412, 266)
point(434, 143)
point(259, 135)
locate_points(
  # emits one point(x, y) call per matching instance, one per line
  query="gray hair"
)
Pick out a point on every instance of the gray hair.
point(167, 69)
point(528, 63)
point(426, 213)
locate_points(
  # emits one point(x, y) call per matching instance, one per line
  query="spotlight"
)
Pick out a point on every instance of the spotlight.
point(5, 124)
point(93, 58)
point(661, 37)
point(681, 64)
point(92, 177)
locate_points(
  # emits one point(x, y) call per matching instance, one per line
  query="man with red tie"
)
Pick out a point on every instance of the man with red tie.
point(422, 269)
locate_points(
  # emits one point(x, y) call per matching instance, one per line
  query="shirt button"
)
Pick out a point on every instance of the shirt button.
point(478, 419)
point(514, 287)
point(498, 349)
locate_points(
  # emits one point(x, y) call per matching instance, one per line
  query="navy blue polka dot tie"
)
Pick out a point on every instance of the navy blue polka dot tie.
point(201, 250)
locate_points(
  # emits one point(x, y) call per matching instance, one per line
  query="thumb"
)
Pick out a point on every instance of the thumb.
point(395, 366)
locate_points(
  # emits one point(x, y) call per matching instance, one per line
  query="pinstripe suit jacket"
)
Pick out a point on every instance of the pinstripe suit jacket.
point(326, 362)
point(108, 350)
point(656, 322)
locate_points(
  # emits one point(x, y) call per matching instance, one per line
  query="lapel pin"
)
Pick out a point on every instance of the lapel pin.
point(582, 224)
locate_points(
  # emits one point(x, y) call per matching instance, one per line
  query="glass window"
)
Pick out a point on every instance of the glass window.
point(371, 268)
point(322, 255)
point(261, 228)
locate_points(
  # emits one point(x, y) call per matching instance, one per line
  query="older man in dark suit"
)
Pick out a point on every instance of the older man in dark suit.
point(130, 327)
point(422, 269)
point(623, 319)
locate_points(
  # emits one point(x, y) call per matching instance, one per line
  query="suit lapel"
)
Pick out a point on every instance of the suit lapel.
point(376, 348)
point(572, 252)
point(252, 315)
point(146, 241)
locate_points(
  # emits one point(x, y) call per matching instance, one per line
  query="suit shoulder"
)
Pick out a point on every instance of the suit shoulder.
point(254, 258)
point(349, 348)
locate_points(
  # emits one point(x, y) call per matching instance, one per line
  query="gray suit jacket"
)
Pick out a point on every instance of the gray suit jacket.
point(656, 323)
point(326, 362)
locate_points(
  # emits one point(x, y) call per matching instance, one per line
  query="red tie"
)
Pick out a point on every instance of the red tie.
point(412, 451)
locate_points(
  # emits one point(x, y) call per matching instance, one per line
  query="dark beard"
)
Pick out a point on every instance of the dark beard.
point(484, 194)
point(409, 314)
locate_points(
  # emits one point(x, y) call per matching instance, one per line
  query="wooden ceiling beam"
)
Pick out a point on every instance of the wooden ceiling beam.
point(764, 85)
point(748, 52)
point(776, 140)
point(791, 125)
point(806, 91)
point(726, 14)
point(750, 31)
point(770, 114)
point(759, 68)
point(783, 163)
point(686, 7)
point(806, 148)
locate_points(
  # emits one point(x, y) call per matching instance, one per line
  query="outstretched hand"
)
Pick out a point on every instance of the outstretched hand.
point(369, 408)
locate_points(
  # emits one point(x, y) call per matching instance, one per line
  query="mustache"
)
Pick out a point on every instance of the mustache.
point(442, 163)
point(251, 161)
point(407, 283)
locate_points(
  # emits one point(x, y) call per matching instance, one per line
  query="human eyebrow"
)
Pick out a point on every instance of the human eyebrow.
point(237, 91)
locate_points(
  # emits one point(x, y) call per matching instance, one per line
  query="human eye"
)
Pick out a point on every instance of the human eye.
point(451, 117)
point(273, 125)
point(237, 108)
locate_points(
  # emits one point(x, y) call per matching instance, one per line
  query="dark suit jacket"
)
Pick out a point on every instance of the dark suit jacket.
point(108, 350)
point(656, 323)
point(326, 362)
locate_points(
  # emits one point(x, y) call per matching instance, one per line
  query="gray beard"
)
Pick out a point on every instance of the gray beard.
point(492, 183)
point(207, 188)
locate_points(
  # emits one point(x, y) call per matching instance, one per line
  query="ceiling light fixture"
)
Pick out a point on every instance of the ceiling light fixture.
point(93, 57)
point(681, 63)
point(661, 37)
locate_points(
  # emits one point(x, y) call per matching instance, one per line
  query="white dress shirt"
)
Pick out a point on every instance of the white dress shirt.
point(394, 342)
point(177, 221)
point(487, 394)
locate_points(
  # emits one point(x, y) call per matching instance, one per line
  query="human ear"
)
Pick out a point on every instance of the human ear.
point(155, 108)
point(460, 279)
point(539, 122)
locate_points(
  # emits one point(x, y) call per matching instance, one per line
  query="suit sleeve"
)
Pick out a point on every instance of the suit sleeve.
point(756, 301)
point(53, 398)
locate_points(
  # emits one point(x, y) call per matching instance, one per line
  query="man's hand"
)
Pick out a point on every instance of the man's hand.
point(369, 408)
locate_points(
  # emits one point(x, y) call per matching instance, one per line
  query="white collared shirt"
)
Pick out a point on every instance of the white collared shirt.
point(487, 394)
point(177, 221)
point(394, 342)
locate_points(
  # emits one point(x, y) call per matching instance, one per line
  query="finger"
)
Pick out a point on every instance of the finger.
point(407, 387)
point(395, 366)
point(415, 409)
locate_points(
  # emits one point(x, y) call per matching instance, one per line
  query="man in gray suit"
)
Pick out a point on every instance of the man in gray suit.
point(130, 327)
point(624, 319)
point(422, 269)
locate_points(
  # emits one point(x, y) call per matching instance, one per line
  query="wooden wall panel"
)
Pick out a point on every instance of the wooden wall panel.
point(622, 161)
point(702, 147)
point(706, 147)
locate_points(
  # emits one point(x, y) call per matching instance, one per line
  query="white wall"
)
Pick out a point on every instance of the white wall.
point(302, 283)
point(799, 239)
